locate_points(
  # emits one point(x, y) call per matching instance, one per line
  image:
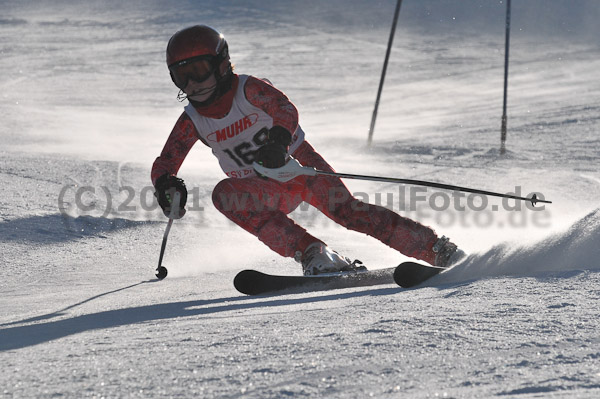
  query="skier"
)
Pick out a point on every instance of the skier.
point(245, 119)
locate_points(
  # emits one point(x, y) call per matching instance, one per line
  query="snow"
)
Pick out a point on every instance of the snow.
point(87, 104)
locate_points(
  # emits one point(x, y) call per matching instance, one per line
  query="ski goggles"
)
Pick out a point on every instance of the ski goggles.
point(197, 69)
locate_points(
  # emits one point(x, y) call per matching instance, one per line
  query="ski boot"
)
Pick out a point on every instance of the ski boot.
point(318, 258)
point(446, 253)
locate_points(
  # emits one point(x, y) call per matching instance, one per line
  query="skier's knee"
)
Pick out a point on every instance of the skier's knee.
point(220, 195)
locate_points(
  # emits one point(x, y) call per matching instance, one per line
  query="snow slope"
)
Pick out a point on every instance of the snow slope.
point(86, 105)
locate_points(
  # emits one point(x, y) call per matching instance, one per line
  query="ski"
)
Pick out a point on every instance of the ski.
point(406, 275)
point(410, 274)
point(252, 282)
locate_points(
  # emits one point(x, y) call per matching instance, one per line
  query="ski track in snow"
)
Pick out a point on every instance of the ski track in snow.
point(88, 110)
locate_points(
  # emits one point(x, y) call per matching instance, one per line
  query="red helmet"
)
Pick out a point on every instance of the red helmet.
point(197, 41)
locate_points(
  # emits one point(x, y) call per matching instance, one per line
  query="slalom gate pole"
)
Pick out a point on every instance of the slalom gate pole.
point(534, 199)
point(385, 64)
point(506, 49)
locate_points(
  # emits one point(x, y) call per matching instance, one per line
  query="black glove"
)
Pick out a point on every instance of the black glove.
point(273, 154)
point(166, 186)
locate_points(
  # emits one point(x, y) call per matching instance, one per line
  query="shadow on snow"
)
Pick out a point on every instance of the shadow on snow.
point(18, 337)
point(56, 228)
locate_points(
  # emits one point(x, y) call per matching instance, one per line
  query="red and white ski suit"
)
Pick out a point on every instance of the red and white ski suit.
point(234, 127)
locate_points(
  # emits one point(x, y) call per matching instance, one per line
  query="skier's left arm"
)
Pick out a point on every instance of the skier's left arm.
point(285, 121)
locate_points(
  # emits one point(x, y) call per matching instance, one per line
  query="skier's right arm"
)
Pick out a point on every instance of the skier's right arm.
point(165, 167)
point(178, 145)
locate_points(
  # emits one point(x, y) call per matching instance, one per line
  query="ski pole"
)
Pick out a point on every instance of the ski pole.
point(293, 169)
point(534, 199)
point(161, 271)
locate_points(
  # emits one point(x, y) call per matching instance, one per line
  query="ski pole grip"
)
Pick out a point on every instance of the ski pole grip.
point(287, 172)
